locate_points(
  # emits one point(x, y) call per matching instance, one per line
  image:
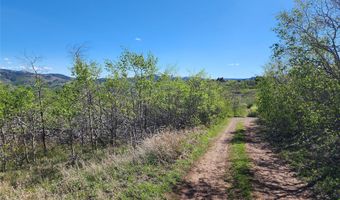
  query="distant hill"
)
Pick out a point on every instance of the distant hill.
point(239, 79)
point(27, 78)
point(13, 77)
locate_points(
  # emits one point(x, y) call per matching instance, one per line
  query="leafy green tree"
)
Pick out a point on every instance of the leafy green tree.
point(66, 108)
point(299, 94)
point(310, 34)
point(23, 105)
point(5, 111)
point(31, 62)
point(88, 113)
point(86, 75)
point(116, 98)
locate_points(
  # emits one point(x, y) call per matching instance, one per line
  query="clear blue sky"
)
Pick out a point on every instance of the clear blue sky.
point(227, 38)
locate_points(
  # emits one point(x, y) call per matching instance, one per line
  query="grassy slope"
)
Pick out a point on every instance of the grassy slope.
point(239, 166)
point(146, 173)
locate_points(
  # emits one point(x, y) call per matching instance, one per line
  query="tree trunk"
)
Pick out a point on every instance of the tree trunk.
point(4, 160)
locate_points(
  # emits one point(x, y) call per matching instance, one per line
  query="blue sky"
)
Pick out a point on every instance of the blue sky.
point(227, 38)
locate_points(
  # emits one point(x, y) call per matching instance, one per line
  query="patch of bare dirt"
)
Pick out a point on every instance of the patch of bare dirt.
point(272, 178)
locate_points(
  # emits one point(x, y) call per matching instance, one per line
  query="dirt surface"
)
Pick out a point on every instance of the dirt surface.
point(206, 180)
point(272, 179)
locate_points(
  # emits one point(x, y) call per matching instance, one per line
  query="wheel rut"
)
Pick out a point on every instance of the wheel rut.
point(206, 179)
point(271, 177)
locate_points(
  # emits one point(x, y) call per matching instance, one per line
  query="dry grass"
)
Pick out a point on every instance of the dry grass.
point(164, 147)
point(110, 176)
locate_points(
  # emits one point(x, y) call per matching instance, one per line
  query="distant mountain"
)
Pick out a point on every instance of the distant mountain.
point(27, 78)
point(239, 79)
point(55, 80)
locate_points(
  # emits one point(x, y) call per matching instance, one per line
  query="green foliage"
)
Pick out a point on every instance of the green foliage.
point(252, 111)
point(301, 115)
point(88, 116)
point(299, 99)
point(239, 166)
point(120, 175)
point(161, 178)
point(241, 96)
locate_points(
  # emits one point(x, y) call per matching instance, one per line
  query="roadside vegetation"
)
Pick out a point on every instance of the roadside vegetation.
point(147, 171)
point(299, 97)
point(88, 114)
point(239, 171)
point(135, 133)
point(242, 95)
point(129, 135)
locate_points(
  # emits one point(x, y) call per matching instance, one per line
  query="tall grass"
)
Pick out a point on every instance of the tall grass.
point(145, 172)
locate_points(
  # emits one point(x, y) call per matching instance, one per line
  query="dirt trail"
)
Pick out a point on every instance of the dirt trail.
point(272, 179)
point(206, 180)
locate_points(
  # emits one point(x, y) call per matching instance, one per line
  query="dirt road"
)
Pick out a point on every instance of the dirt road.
point(206, 180)
point(272, 179)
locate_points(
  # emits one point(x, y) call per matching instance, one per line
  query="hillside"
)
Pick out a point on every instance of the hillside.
point(27, 78)
point(14, 77)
